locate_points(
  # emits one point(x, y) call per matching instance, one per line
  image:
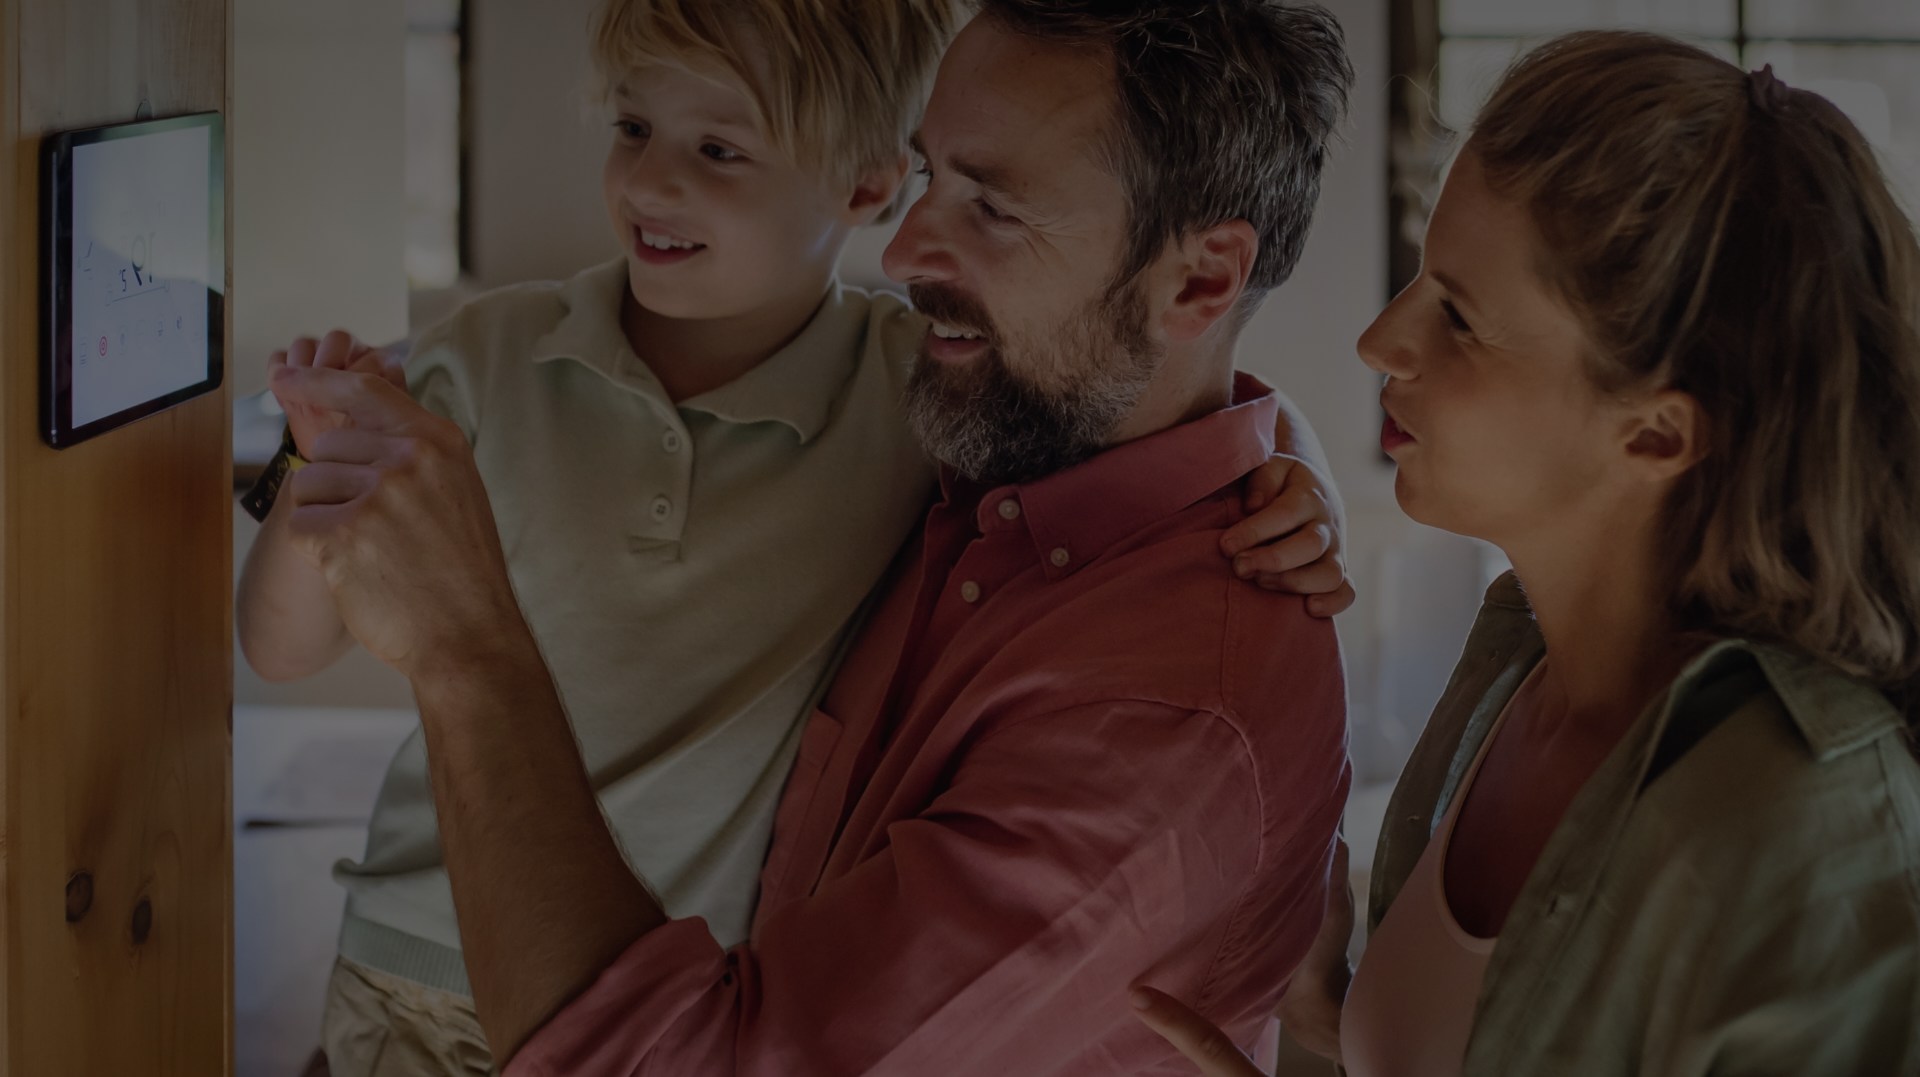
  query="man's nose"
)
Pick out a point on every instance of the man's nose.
point(919, 251)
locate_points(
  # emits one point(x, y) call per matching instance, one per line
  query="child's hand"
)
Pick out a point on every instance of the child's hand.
point(338, 351)
point(1291, 539)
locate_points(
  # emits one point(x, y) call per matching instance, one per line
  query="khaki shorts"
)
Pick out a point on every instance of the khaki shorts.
point(378, 1025)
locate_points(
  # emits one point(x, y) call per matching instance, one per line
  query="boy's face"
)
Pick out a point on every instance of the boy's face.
point(715, 221)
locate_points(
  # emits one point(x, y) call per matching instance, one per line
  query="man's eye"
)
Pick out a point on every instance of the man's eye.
point(988, 211)
point(1453, 316)
point(630, 128)
point(721, 153)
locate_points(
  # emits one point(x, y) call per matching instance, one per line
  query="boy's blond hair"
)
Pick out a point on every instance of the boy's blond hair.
point(839, 84)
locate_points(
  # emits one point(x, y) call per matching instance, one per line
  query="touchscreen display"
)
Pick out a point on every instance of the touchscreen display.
point(141, 270)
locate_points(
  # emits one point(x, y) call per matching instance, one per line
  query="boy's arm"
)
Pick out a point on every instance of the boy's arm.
point(288, 624)
point(284, 612)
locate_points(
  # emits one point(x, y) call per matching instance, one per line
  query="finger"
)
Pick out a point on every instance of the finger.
point(394, 369)
point(1267, 480)
point(1333, 604)
point(369, 400)
point(1191, 1034)
point(349, 445)
point(1298, 550)
point(330, 484)
point(300, 353)
point(1289, 511)
point(336, 351)
point(1323, 577)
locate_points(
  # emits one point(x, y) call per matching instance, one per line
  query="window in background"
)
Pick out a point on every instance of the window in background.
point(436, 143)
point(1863, 55)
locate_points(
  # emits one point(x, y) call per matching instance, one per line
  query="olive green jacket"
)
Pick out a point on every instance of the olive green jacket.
point(1735, 891)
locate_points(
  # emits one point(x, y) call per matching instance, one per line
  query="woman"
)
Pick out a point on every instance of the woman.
point(1666, 818)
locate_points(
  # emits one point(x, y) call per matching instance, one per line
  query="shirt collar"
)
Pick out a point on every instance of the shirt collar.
point(1074, 516)
point(797, 385)
point(1834, 711)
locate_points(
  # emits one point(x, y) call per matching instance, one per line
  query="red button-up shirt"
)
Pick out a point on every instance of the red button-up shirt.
point(1068, 753)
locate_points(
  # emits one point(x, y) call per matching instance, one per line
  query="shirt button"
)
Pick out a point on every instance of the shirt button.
point(1061, 557)
point(970, 592)
point(662, 508)
point(670, 441)
point(1009, 509)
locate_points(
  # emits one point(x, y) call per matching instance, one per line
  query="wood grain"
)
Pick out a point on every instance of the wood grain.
point(117, 659)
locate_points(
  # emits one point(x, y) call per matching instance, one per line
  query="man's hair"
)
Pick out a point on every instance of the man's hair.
point(1225, 109)
point(839, 84)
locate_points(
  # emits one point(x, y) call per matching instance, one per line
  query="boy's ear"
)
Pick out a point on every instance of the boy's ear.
point(875, 192)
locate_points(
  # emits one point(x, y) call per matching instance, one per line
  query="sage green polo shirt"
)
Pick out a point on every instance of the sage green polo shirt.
point(689, 571)
point(1736, 890)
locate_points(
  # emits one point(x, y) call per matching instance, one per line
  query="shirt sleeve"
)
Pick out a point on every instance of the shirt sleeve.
point(996, 932)
point(440, 377)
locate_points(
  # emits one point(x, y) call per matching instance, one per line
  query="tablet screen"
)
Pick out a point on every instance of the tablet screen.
point(134, 272)
point(140, 263)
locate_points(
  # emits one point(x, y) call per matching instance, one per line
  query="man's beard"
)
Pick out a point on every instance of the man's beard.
point(992, 425)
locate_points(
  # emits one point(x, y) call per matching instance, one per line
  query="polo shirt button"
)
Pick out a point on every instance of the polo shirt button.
point(970, 591)
point(1009, 509)
point(1061, 557)
point(670, 441)
point(662, 508)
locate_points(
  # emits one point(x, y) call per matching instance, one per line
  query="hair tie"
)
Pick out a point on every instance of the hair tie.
point(1767, 92)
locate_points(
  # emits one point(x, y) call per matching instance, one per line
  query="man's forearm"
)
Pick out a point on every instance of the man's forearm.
point(544, 897)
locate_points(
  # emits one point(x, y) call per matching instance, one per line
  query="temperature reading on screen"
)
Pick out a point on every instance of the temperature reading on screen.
point(141, 260)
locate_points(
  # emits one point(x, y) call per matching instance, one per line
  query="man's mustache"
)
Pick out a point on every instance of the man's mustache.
point(952, 308)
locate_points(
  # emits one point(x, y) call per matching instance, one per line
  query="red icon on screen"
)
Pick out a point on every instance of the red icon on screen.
point(103, 346)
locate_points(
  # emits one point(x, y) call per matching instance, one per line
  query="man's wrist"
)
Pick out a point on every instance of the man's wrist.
point(502, 664)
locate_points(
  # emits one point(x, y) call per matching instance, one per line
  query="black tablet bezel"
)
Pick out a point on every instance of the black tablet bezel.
point(56, 269)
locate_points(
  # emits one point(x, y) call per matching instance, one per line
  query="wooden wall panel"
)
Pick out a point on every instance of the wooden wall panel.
point(116, 666)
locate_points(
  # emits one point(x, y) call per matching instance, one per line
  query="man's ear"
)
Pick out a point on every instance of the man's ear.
point(875, 192)
point(1666, 435)
point(1211, 272)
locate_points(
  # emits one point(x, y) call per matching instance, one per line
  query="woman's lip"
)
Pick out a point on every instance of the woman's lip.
point(1392, 436)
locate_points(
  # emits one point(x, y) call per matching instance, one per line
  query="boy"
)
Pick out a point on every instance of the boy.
point(698, 466)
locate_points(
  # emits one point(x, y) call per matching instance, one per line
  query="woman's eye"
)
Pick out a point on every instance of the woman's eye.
point(1453, 316)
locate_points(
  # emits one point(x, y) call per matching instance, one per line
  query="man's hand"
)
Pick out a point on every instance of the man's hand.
point(391, 509)
point(1291, 539)
point(338, 350)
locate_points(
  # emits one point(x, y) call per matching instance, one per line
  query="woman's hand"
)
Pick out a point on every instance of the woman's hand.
point(1292, 537)
point(1309, 1011)
point(1192, 1035)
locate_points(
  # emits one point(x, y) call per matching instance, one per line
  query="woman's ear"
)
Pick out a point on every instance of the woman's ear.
point(1667, 435)
point(875, 192)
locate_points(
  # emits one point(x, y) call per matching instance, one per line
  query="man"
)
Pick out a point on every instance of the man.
point(1064, 755)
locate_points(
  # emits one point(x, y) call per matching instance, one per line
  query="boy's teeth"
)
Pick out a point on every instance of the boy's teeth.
point(945, 332)
point(665, 243)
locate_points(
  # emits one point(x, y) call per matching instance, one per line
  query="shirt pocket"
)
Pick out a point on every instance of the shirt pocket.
point(799, 840)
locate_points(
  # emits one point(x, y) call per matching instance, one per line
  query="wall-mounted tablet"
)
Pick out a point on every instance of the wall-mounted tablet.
point(133, 220)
